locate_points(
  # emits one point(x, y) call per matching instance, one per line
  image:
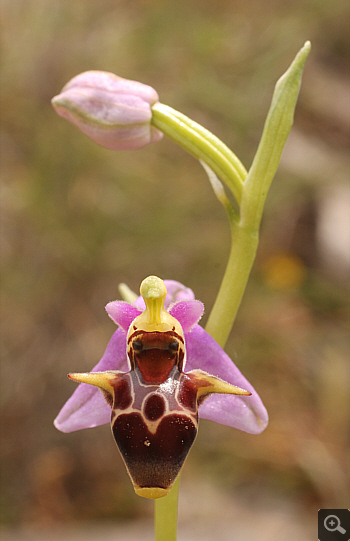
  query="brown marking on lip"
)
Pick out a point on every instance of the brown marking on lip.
point(154, 460)
point(122, 394)
point(187, 394)
point(154, 407)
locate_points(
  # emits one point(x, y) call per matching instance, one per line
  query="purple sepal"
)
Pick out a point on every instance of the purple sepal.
point(245, 413)
point(87, 407)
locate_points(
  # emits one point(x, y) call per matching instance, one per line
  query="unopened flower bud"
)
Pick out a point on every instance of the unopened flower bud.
point(112, 111)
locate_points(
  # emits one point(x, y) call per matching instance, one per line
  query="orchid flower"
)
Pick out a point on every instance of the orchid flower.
point(153, 400)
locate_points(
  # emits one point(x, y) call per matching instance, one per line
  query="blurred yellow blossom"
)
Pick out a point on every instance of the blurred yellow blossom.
point(283, 271)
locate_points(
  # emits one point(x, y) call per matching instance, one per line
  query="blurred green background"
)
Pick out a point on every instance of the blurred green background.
point(78, 219)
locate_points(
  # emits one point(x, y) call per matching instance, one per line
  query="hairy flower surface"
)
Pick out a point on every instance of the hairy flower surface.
point(159, 371)
point(112, 111)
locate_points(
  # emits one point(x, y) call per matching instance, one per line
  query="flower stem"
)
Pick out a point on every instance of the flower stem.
point(240, 262)
point(245, 232)
point(165, 515)
point(215, 141)
point(201, 144)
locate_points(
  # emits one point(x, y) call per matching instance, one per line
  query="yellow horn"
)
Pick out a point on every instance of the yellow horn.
point(103, 380)
point(207, 384)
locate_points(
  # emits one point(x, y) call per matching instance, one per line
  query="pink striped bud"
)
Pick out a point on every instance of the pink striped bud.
point(114, 112)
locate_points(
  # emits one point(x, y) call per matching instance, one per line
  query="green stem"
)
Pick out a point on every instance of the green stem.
point(202, 145)
point(215, 141)
point(240, 262)
point(165, 515)
point(245, 232)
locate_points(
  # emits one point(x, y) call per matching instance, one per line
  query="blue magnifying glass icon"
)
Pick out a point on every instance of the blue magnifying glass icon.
point(332, 524)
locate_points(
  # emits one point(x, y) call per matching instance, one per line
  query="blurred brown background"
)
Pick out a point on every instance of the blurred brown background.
point(77, 220)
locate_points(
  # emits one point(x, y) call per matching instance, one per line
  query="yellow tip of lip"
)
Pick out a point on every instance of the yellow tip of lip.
point(152, 492)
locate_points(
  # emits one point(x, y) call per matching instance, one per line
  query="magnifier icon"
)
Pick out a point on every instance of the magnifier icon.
point(332, 523)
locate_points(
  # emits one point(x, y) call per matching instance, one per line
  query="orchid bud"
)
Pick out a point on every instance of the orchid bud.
point(114, 112)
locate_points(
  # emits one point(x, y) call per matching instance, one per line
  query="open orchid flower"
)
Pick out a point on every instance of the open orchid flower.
point(154, 402)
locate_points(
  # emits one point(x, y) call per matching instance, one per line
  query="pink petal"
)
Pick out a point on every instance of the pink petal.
point(87, 407)
point(188, 313)
point(245, 413)
point(122, 313)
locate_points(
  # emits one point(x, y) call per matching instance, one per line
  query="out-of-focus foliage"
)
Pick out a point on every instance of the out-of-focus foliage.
point(78, 219)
